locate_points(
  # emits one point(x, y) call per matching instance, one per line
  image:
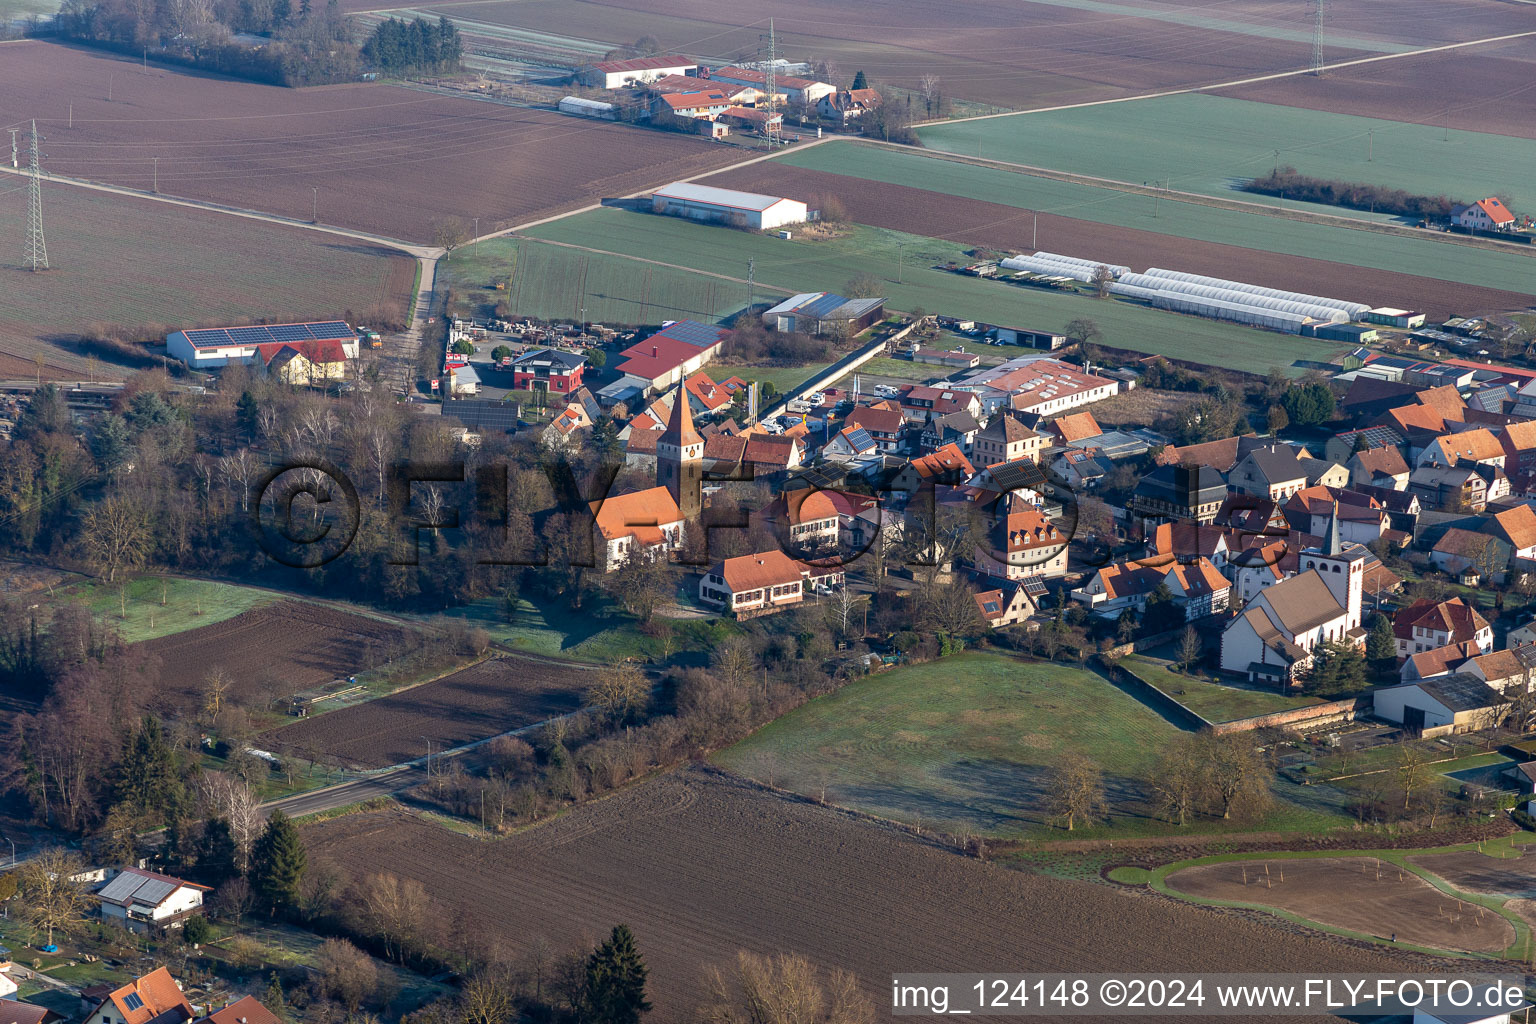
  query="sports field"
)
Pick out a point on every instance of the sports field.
point(1421, 257)
point(1210, 144)
point(800, 265)
point(552, 282)
point(967, 743)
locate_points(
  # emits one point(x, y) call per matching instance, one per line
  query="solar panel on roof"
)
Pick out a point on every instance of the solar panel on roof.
point(331, 329)
point(120, 888)
point(248, 335)
point(153, 891)
point(133, 1002)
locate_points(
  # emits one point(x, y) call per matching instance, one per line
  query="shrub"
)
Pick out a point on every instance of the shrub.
point(197, 930)
point(1523, 819)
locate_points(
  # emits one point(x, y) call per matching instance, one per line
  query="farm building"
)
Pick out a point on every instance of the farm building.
point(847, 104)
point(739, 209)
point(817, 312)
point(708, 105)
point(1389, 317)
point(666, 357)
point(1484, 215)
point(140, 900)
point(954, 359)
point(1460, 702)
point(791, 87)
point(212, 347)
point(582, 107)
point(615, 74)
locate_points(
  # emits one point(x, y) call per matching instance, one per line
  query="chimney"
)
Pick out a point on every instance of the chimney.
point(654, 352)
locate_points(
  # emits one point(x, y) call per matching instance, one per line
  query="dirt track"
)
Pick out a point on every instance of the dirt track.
point(271, 652)
point(479, 702)
point(994, 225)
point(701, 866)
point(1350, 893)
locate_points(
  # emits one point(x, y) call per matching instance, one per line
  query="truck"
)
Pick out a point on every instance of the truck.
point(370, 337)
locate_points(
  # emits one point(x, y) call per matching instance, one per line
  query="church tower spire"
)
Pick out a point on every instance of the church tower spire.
point(680, 458)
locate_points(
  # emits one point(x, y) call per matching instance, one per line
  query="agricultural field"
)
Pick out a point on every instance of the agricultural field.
point(392, 161)
point(1213, 702)
point(1210, 144)
point(1389, 896)
point(967, 745)
point(271, 652)
point(801, 265)
point(475, 703)
point(665, 857)
point(554, 282)
point(1480, 90)
point(991, 207)
point(147, 267)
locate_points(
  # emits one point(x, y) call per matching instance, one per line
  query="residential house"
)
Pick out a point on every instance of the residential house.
point(1456, 489)
point(640, 448)
point(1379, 467)
point(1022, 543)
point(15, 1012)
point(1426, 625)
point(1519, 441)
point(762, 583)
point(847, 104)
point(1324, 473)
point(698, 105)
point(1484, 215)
point(1469, 556)
point(1006, 606)
point(1361, 518)
point(1351, 442)
point(1081, 470)
point(1197, 586)
point(707, 398)
point(154, 997)
point(1178, 492)
point(564, 430)
point(924, 403)
point(1456, 703)
point(1075, 427)
point(644, 522)
point(245, 1010)
point(1476, 445)
point(849, 445)
point(1220, 455)
point(1187, 540)
point(882, 421)
point(1441, 661)
point(142, 901)
point(1510, 672)
point(1274, 472)
point(1516, 527)
point(947, 465)
point(548, 369)
point(956, 428)
point(1005, 439)
point(792, 87)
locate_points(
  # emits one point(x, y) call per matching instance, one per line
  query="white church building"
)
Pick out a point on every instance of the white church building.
point(1274, 638)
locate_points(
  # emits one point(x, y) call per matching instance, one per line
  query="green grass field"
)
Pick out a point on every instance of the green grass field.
point(547, 284)
point(782, 377)
point(159, 606)
point(1424, 257)
point(968, 742)
point(801, 265)
point(1211, 701)
point(1208, 143)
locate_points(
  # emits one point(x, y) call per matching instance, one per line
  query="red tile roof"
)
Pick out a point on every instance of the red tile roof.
point(158, 996)
point(946, 460)
point(638, 513)
point(754, 572)
point(1075, 426)
point(1455, 617)
point(242, 1011)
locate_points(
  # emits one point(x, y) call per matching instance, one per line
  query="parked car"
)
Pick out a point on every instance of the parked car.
point(815, 398)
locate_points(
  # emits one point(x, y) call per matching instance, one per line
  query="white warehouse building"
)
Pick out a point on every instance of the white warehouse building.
point(727, 206)
point(212, 347)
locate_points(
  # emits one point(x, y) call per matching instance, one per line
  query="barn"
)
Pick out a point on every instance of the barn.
point(615, 74)
point(213, 347)
point(817, 312)
point(1460, 702)
point(727, 206)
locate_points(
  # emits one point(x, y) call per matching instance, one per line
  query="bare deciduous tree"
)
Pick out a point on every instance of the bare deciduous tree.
point(52, 898)
point(783, 989)
point(393, 909)
point(1190, 647)
point(621, 691)
point(1178, 779)
point(216, 687)
point(229, 797)
point(117, 537)
point(1076, 791)
point(1238, 773)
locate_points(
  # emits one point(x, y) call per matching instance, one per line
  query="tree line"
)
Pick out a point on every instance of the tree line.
point(406, 47)
point(1291, 184)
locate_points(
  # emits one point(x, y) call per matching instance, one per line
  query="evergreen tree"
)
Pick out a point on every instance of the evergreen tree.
point(277, 865)
point(148, 783)
point(274, 999)
point(1381, 648)
point(245, 413)
point(217, 854)
point(615, 985)
point(860, 82)
point(110, 444)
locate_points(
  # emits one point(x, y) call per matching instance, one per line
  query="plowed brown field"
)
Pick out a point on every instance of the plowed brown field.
point(271, 652)
point(701, 866)
point(975, 222)
point(479, 702)
point(387, 160)
point(1349, 892)
point(1471, 871)
point(1487, 89)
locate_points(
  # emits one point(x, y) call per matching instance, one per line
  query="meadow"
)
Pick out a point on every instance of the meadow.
point(967, 744)
point(1211, 701)
point(154, 606)
point(1211, 144)
point(1424, 257)
point(801, 265)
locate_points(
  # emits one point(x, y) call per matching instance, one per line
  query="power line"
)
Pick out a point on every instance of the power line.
point(1317, 38)
point(770, 79)
point(35, 253)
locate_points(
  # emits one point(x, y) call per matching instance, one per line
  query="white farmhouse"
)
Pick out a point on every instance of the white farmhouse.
point(140, 900)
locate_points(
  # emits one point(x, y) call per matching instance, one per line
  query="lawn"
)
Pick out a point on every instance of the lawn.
point(902, 369)
point(551, 282)
point(156, 606)
point(783, 378)
point(1210, 144)
point(967, 743)
point(1422, 257)
point(803, 265)
point(1213, 702)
